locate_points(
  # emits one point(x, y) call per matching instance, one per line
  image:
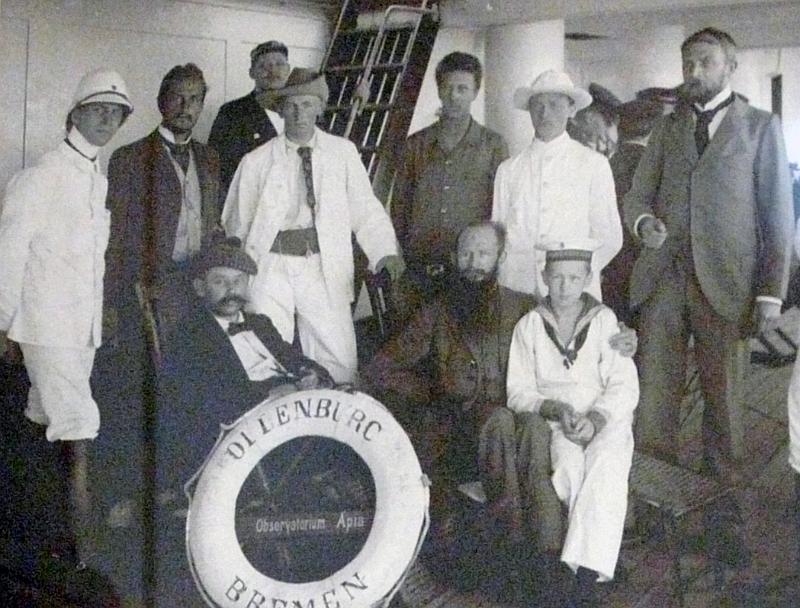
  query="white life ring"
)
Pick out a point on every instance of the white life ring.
point(224, 574)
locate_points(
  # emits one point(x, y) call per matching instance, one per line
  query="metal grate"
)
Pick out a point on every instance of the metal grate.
point(670, 488)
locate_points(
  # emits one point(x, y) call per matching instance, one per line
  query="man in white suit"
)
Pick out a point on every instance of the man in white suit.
point(54, 229)
point(294, 202)
point(556, 189)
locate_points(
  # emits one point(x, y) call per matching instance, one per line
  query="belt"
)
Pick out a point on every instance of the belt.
point(299, 242)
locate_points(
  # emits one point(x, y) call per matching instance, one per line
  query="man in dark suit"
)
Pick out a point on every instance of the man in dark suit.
point(221, 363)
point(244, 124)
point(163, 196)
point(711, 204)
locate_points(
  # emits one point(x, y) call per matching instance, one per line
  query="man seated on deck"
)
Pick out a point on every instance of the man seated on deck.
point(221, 362)
point(443, 376)
point(561, 367)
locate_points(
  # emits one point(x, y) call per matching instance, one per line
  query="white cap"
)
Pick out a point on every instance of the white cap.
point(579, 249)
point(102, 86)
point(552, 81)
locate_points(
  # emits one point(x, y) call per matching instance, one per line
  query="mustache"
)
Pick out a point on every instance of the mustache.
point(231, 300)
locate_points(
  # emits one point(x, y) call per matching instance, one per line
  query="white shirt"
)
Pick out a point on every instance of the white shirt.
point(554, 191)
point(299, 213)
point(256, 359)
point(188, 234)
point(718, 99)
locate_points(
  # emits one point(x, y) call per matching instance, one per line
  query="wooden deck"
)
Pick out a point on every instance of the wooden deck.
point(644, 572)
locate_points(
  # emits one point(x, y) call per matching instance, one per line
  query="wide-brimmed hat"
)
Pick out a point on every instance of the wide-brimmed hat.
point(303, 81)
point(552, 81)
point(102, 86)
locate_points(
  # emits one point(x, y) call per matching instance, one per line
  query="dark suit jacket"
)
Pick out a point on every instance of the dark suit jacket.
point(203, 384)
point(144, 197)
point(241, 126)
point(434, 359)
point(729, 210)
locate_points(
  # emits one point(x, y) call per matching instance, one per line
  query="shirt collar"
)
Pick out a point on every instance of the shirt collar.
point(224, 323)
point(471, 138)
point(537, 145)
point(79, 142)
point(292, 147)
point(718, 99)
point(170, 136)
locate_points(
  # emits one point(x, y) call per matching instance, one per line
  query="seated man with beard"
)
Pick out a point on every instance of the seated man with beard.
point(443, 376)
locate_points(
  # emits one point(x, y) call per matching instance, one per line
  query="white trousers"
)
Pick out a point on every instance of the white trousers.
point(288, 285)
point(60, 396)
point(593, 483)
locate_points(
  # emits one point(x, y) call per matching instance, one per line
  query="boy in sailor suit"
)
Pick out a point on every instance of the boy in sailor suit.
point(561, 366)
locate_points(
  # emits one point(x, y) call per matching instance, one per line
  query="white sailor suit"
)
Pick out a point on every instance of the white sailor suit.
point(589, 375)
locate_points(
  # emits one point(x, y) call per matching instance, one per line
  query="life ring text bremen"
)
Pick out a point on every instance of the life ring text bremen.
point(312, 500)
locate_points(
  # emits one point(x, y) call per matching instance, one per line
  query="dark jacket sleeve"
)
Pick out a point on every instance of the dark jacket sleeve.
point(289, 356)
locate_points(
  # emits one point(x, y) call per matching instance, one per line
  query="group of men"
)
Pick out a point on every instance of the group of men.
point(507, 367)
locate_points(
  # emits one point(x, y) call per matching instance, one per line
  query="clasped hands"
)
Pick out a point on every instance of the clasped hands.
point(579, 428)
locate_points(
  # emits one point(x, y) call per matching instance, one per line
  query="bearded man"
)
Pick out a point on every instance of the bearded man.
point(443, 376)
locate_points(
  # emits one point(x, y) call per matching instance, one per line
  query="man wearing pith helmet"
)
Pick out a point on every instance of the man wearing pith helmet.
point(294, 202)
point(54, 230)
point(556, 189)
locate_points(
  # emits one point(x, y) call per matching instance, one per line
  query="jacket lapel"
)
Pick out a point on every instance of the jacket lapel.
point(727, 134)
point(208, 195)
point(684, 125)
point(218, 345)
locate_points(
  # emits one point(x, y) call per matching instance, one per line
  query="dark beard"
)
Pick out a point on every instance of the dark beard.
point(470, 301)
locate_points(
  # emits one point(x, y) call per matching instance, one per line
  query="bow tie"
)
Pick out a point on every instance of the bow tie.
point(235, 328)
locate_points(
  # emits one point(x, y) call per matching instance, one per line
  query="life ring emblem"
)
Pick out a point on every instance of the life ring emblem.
point(312, 500)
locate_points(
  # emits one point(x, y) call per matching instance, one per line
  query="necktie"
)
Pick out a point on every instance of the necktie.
point(235, 328)
point(180, 152)
point(704, 118)
point(308, 177)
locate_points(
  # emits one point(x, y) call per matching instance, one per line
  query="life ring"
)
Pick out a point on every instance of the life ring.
point(312, 500)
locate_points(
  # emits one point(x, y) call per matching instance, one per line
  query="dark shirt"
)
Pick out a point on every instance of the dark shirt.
point(438, 193)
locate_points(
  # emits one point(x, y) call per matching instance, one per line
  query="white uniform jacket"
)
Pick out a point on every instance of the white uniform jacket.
point(599, 378)
point(258, 200)
point(794, 391)
point(53, 236)
point(554, 191)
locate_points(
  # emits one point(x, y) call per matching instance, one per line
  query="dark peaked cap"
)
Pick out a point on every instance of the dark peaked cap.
point(226, 253)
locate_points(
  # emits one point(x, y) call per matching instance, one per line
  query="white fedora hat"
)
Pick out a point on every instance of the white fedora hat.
point(552, 81)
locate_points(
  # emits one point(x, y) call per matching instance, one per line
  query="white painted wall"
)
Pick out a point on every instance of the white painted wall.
point(753, 79)
point(47, 45)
